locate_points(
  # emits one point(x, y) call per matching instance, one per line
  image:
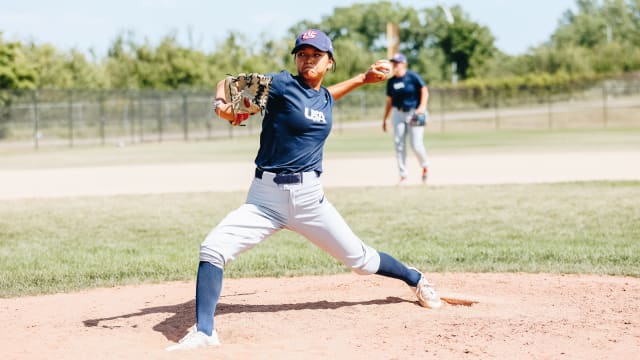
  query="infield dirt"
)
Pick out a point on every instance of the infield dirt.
point(523, 316)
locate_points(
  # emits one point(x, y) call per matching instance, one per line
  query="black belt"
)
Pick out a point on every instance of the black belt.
point(295, 178)
point(404, 109)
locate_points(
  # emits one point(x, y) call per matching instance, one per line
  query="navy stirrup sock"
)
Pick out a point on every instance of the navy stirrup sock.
point(393, 268)
point(208, 287)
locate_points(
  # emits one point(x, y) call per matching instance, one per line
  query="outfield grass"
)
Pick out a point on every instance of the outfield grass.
point(53, 245)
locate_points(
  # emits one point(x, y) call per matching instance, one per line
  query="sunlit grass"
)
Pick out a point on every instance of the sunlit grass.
point(66, 244)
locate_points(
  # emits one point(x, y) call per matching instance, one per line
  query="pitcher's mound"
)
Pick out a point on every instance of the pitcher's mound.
point(338, 317)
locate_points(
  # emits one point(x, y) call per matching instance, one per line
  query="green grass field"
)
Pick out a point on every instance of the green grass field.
point(60, 245)
point(53, 245)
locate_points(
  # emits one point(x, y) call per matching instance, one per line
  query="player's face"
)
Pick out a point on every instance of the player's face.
point(312, 63)
point(399, 68)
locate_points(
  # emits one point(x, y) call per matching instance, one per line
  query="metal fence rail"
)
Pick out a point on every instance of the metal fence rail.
point(78, 117)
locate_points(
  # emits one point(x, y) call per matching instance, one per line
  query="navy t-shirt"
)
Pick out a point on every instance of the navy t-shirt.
point(296, 124)
point(405, 91)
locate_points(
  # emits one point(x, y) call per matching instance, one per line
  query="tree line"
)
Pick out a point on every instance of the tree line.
point(600, 38)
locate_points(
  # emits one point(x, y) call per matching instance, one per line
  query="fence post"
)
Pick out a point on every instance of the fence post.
point(36, 131)
point(185, 116)
point(124, 122)
point(605, 119)
point(132, 117)
point(80, 114)
point(140, 115)
point(549, 112)
point(210, 113)
point(102, 117)
point(495, 106)
point(160, 115)
point(442, 109)
point(70, 116)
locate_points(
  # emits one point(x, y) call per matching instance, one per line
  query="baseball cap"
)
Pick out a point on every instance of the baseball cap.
point(399, 58)
point(315, 38)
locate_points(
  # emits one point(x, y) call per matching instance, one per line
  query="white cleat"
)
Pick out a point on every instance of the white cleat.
point(195, 339)
point(426, 294)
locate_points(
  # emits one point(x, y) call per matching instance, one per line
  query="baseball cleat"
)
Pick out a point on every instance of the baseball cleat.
point(402, 181)
point(426, 294)
point(195, 339)
point(425, 173)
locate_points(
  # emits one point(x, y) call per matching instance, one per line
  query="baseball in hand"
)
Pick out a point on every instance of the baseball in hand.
point(384, 67)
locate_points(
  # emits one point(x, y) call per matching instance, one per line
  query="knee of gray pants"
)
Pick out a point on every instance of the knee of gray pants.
point(367, 264)
point(211, 256)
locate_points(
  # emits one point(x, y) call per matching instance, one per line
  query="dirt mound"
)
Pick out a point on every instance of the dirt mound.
point(338, 317)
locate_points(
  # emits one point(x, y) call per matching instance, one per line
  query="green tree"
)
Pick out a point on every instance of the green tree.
point(120, 64)
point(586, 27)
point(56, 69)
point(179, 67)
point(599, 37)
point(429, 41)
point(597, 23)
point(466, 44)
point(84, 74)
point(15, 71)
point(15, 74)
point(169, 65)
point(237, 54)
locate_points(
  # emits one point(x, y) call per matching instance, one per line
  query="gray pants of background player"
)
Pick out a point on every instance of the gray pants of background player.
point(298, 207)
point(401, 130)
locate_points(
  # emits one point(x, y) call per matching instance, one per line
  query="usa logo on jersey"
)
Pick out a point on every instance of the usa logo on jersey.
point(314, 115)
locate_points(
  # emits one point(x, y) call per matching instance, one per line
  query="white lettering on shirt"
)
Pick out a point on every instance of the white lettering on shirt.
point(314, 115)
point(398, 85)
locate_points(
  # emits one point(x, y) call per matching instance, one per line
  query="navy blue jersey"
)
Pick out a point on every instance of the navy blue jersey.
point(405, 91)
point(295, 126)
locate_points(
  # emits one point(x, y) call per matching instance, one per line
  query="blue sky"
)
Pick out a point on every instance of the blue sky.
point(84, 24)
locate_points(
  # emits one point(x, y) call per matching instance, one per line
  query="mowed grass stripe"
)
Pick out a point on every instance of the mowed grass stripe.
point(54, 245)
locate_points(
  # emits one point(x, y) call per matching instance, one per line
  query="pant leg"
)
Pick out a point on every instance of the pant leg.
point(399, 121)
point(240, 230)
point(317, 220)
point(245, 227)
point(416, 137)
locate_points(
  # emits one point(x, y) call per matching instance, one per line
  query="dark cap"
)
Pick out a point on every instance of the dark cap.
point(399, 58)
point(315, 38)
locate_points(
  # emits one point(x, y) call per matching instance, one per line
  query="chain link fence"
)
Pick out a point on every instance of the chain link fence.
point(79, 117)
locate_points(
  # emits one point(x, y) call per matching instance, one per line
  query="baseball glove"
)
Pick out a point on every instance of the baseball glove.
point(418, 119)
point(247, 93)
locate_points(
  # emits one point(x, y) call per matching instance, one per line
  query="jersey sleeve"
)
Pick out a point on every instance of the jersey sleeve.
point(278, 82)
point(418, 80)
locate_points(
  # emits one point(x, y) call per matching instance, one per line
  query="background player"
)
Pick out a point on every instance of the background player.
point(286, 192)
point(407, 94)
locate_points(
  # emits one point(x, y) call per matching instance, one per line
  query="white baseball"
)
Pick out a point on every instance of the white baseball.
point(385, 67)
